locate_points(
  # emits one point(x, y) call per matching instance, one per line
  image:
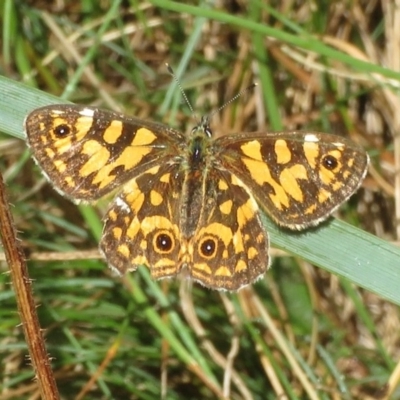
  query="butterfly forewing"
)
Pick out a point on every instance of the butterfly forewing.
point(299, 179)
point(86, 152)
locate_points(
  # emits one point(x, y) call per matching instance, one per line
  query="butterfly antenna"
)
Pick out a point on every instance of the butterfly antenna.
point(252, 86)
point(205, 120)
point(171, 71)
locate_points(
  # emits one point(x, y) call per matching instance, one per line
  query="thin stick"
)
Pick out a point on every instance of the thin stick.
point(26, 305)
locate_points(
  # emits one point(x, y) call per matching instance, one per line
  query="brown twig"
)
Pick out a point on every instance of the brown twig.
point(26, 306)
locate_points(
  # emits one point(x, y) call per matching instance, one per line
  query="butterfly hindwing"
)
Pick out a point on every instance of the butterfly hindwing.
point(142, 224)
point(229, 248)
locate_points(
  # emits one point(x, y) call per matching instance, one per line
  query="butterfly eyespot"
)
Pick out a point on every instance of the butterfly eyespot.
point(163, 242)
point(62, 130)
point(330, 162)
point(208, 247)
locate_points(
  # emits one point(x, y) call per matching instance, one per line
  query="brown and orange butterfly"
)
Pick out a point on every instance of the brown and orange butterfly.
point(192, 202)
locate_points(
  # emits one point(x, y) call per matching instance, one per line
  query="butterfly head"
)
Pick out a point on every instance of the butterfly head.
point(203, 128)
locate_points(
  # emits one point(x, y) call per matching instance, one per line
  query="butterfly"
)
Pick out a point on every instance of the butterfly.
point(192, 202)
